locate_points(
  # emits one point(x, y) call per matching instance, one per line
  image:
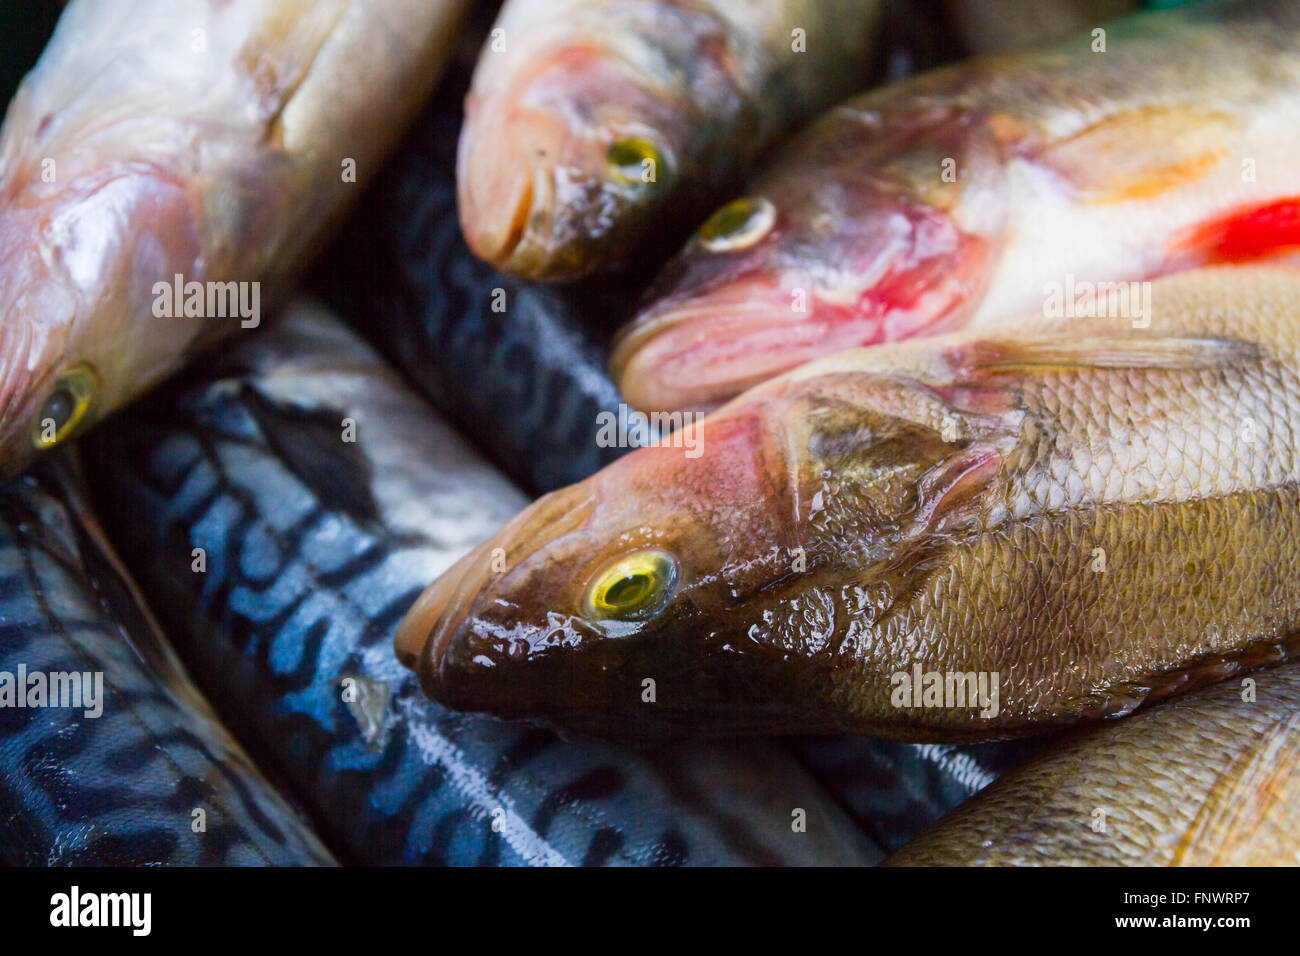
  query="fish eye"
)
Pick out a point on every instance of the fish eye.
point(738, 225)
point(66, 406)
point(636, 587)
point(628, 157)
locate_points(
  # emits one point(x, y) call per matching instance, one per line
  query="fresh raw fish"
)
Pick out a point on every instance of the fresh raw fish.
point(1210, 779)
point(972, 194)
point(167, 168)
point(594, 126)
point(109, 755)
point(963, 537)
point(323, 496)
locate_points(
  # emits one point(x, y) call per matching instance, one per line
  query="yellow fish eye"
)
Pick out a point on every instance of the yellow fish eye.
point(634, 588)
point(738, 225)
point(66, 406)
point(633, 161)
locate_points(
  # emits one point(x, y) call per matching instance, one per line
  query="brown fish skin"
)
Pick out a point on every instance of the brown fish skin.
point(570, 97)
point(1099, 518)
point(950, 200)
point(181, 137)
point(1210, 779)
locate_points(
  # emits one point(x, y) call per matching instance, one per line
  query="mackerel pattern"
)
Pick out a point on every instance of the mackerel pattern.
point(315, 549)
point(894, 791)
point(153, 779)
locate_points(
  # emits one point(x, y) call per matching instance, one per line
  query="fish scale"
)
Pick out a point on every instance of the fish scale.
point(1054, 546)
point(121, 788)
point(1209, 779)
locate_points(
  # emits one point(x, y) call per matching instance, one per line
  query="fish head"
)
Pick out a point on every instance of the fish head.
point(671, 593)
point(871, 228)
point(567, 161)
point(80, 252)
point(45, 395)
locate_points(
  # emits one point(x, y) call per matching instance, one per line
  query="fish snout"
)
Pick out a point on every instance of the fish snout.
point(538, 199)
point(503, 186)
point(559, 168)
point(438, 639)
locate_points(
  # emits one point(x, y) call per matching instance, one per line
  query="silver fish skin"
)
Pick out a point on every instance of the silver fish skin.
point(167, 168)
point(143, 775)
point(316, 547)
point(894, 791)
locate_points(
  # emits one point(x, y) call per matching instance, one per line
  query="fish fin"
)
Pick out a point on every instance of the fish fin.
point(1141, 153)
point(309, 441)
point(950, 492)
point(1249, 803)
point(1141, 352)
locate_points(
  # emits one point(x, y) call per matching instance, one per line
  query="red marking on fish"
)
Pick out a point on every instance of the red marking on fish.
point(1245, 234)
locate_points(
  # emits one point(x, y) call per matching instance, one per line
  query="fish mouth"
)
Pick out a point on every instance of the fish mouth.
point(541, 204)
point(542, 192)
point(696, 351)
point(504, 194)
point(432, 637)
point(698, 354)
point(531, 194)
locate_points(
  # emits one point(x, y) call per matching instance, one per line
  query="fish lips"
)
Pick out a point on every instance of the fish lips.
point(432, 637)
point(537, 194)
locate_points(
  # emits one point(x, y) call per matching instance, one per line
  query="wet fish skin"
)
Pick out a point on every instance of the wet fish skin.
point(517, 367)
point(159, 138)
point(571, 96)
point(527, 384)
point(1210, 779)
point(941, 504)
point(956, 198)
point(119, 789)
point(315, 548)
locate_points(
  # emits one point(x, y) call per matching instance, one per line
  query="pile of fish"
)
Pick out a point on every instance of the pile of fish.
point(722, 434)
